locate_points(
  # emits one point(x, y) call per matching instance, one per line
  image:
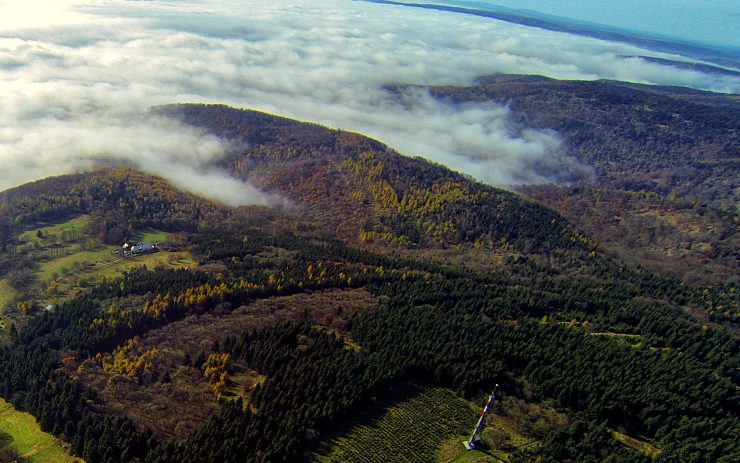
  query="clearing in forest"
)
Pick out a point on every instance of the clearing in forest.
point(150, 235)
point(173, 398)
point(412, 430)
point(430, 425)
point(643, 446)
point(76, 266)
point(7, 294)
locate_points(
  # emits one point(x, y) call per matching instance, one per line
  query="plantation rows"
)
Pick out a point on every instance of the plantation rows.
point(411, 430)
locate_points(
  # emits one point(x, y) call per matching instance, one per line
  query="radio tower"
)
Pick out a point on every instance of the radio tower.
point(471, 444)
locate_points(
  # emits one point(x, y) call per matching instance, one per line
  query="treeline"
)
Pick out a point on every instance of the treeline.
point(366, 191)
point(238, 251)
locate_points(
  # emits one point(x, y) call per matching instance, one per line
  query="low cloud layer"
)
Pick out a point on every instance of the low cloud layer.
point(75, 85)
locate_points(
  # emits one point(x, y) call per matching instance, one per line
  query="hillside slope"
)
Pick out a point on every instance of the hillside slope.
point(365, 191)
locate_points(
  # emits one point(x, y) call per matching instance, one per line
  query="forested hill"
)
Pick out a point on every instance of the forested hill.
point(638, 137)
point(666, 192)
point(118, 200)
point(115, 202)
point(365, 191)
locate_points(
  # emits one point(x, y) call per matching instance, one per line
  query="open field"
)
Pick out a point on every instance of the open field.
point(503, 434)
point(28, 439)
point(150, 235)
point(68, 257)
point(65, 261)
point(65, 231)
point(76, 267)
point(61, 266)
point(501, 437)
point(117, 266)
point(73, 272)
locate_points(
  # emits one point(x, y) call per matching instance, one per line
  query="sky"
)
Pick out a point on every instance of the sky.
point(715, 22)
point(77, 79)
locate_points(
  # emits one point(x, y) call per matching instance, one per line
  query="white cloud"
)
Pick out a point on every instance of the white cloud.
point(75, 85)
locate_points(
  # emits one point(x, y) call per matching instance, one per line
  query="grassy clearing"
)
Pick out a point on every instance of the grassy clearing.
point(65, 231)
point(27, 437)
point(69, 261)
point(97, 261)
point(7, 294)
point(56, 267)
point(640, 445)
point(411, 430)
point(71, 273)
point(501, 438)
point(119, 265)
point(100, 262)
point(150, 235)
point(242, 383)
point(454, 452)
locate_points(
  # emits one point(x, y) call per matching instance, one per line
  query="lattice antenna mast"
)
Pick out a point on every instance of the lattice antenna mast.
point(470, 445)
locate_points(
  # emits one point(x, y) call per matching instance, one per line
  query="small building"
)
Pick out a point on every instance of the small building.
point(128, 250)
point(143, 249)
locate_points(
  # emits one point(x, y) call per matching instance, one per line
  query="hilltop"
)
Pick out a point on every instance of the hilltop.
point(365, 191)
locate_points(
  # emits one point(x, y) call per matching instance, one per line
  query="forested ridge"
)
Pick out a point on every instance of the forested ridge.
point(647, 138)
point(665, 192)
point(609, 345)
point(369, 192)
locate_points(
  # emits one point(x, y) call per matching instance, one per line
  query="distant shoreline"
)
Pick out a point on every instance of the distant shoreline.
point(714, 54)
